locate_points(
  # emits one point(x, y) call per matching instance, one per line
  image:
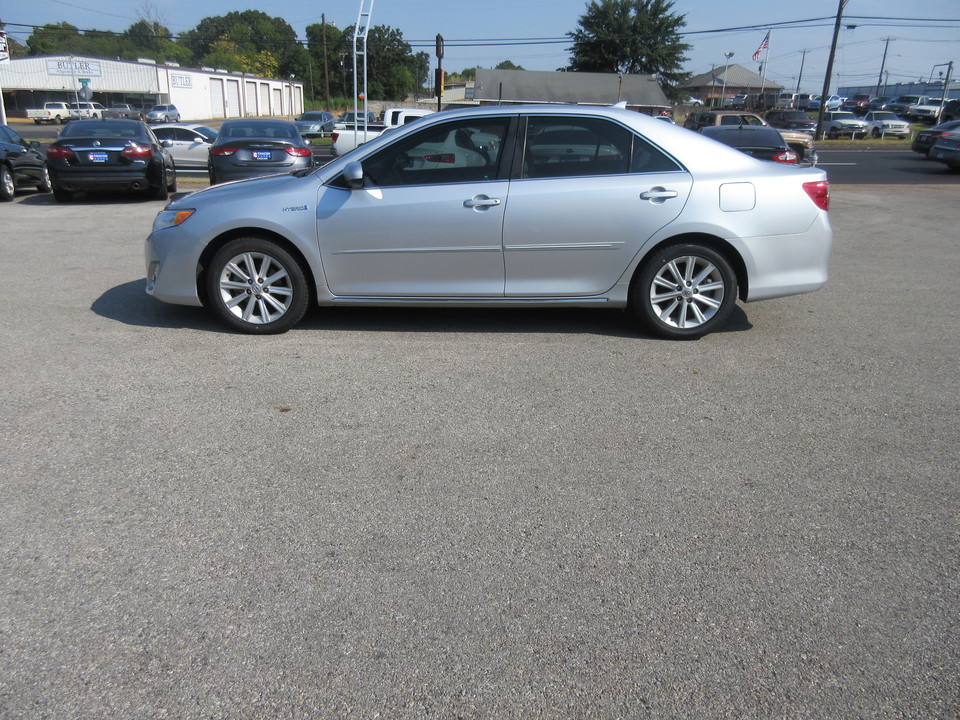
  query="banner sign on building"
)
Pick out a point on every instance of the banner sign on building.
point(181, 81)
point(4, 50)
point(87, 68)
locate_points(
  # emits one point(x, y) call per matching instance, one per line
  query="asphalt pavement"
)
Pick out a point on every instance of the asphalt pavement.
point(479, 513)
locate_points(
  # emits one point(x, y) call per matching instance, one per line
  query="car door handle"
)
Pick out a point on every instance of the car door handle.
point(481, 201)
point(658, 193)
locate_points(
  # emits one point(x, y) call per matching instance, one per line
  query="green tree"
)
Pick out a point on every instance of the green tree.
point(507, 65)
point(632, 37)
point(247, 35)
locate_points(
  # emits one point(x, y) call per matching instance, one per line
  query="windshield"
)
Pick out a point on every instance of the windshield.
point(796, 115)
point(884, 116)
point(312, 116)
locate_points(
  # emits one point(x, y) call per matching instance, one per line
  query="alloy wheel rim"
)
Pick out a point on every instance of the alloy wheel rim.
point(256, 288)
point(687, 292)
point(8, 187)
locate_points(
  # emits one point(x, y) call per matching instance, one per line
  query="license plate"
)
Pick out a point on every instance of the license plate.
point(262, 155)
point(97, 157)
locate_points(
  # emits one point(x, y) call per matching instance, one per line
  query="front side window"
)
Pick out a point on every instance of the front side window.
point(453, 152)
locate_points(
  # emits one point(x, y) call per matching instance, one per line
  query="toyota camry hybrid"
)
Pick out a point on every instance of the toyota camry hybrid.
point(504, 207)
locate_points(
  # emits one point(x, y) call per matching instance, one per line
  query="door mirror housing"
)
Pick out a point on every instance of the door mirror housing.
point(353, 174)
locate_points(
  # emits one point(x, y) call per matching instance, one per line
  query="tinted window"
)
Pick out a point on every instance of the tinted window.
point(464, 151)
point(285, 131)
point(573, 146)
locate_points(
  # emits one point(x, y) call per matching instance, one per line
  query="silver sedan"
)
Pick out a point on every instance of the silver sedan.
point(558, 206)
point(189, 143)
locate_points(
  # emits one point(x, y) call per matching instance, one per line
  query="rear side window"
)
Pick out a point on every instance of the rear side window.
point(575, 146)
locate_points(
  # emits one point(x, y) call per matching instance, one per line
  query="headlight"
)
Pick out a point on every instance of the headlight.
point(169, 218)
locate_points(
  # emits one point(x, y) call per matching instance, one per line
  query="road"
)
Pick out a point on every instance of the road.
point(478, 514)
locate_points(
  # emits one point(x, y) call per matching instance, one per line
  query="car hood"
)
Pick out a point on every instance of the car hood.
point(255, 187)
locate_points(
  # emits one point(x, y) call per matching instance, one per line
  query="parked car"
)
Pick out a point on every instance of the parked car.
point(85, 110)
point(791, 120)
point(884, 122)
point(951, 111)
point(900, 103)
point(109, 155)
point(694, 101)
point(927, 113)
point(856, 104)
point(833, 103)
point(188, 143)
point(803, 101)
point(650, 217)
point(838, 124)
point(22, 164)
point(350, 118)
point(800, 142)
point(248, 148)
point(163, 114)
point(737, 102)
point(877, 103)
point(315, 123)
point(762, 143)
point(946, 149)
point(123, 110)
point(925, 139)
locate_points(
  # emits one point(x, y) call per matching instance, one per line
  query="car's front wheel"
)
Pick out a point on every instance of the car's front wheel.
point(684, 291)
point(44, 186)
point(7, 187)
point(256, 286)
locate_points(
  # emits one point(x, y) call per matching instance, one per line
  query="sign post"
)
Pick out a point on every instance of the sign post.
point(438, 80)
point(4, 57)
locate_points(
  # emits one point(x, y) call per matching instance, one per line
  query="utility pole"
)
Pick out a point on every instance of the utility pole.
point(326, 68)
point(883, 64)
point(803, 59)
point(826, 78)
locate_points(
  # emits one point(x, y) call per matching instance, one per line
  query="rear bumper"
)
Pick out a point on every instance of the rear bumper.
point(102, 181)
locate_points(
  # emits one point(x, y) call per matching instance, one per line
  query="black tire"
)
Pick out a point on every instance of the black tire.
point(59, 120)
point(213, 177)
point(238, 294)
point(876, 133)
point(832, 134)
point(8, 186)
point(36, 122)
point(683, 291)
point(61, 195)
point(162, 191)
point(45, 185)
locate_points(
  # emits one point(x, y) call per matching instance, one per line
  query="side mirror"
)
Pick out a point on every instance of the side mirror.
point(353, 174)
point(166, 143)
point(35, 145)
point(306, 141)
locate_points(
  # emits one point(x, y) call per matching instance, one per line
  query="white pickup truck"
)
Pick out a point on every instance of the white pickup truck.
point(51, 112)
point(345, 137)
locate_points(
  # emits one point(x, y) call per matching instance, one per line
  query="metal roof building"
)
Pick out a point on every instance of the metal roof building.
point(528, 86)
point(199, 94)
point(729, 81)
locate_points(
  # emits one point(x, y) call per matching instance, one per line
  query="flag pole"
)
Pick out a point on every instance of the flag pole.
point(763, 75)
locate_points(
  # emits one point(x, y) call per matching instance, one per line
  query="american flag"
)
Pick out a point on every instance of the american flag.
point(763, 46)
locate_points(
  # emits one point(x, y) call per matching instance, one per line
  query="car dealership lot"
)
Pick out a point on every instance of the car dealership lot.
point(479, 514)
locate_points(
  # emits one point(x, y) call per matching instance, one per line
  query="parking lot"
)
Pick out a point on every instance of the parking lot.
point(480, 513)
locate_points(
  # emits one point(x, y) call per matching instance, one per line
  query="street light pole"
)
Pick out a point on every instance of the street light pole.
point(726, 66)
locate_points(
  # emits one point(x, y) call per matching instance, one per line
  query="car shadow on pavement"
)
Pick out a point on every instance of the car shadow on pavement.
point(129, 304)
point(130, 197)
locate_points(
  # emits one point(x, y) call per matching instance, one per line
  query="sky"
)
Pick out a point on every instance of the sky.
point(533, 33)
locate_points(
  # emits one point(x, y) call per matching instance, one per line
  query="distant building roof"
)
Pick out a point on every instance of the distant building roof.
point(568, 87)
point(736, 77)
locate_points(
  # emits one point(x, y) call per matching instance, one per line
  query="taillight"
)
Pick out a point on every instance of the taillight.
point(441, 158)
point(137, 151)
point(334, 136)
point(786, 157)
point(59, 151)
point(819, 192)
point(298, 151)
point(223, 151)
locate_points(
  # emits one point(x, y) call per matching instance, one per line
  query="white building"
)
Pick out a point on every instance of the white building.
point(198, 94)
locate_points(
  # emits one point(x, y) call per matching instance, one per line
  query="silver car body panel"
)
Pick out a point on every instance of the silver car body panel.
point(570, 240)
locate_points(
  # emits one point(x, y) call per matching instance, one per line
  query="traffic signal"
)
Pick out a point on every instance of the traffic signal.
point(438, 81)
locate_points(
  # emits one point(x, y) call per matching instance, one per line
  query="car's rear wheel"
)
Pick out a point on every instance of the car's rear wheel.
point(45, 185)
point(684, 291)
point(257, 287)
point(7, 187)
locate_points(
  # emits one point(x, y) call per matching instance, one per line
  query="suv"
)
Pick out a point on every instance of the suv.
point(951, 111)
point(856, 104)
point(791, 120)
point(840, 123)
point(163, 113)
point(81, 110)
point(900, 105)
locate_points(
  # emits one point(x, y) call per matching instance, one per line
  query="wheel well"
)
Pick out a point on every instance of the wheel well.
point(714, 243)
point(214, 245)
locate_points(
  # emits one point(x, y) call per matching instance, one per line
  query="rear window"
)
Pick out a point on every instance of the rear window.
point(101, 128)
point(258, 130)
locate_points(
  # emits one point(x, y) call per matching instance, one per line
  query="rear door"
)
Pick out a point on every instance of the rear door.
point(588, 195)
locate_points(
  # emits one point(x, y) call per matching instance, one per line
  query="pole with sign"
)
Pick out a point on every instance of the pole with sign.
point(4, 57)
point(438, 80)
